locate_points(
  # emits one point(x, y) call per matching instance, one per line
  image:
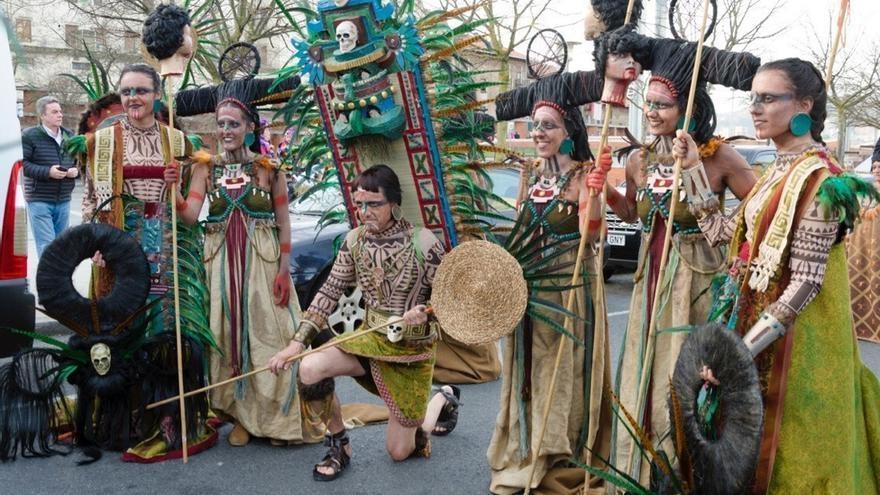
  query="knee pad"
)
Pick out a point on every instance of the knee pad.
point(317, 391)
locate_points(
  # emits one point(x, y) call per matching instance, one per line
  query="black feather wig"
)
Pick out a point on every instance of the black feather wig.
point(163, 30)
point(569, 90)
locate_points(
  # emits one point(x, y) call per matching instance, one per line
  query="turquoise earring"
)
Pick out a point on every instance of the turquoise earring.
point(157, 106)
point(800, 124)
point(249, 139)
point(566, 147)
point(692, 125)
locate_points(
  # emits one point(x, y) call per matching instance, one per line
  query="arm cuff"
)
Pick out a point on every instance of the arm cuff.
point(310, 325)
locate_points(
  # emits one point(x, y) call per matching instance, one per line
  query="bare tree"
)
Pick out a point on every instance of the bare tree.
point(219, 23)
point(742, 23)
point(855, 82)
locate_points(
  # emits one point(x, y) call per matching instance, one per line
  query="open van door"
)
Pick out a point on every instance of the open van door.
point(18, 303)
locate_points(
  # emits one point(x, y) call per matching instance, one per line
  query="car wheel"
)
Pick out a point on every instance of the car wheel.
point(608, 271)
point(349, 313)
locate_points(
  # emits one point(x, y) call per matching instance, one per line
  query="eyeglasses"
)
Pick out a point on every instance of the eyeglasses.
point(545, 125)
point(371, 205)
point(653, 106)
point(758, 100)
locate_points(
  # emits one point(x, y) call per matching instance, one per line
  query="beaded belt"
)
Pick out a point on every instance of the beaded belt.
point(375, 317)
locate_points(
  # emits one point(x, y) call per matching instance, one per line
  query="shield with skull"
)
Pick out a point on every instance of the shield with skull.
point(347, 35)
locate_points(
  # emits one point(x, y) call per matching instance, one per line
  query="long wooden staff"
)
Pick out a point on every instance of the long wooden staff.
point(332, 343)
point(569, 306)
point(169, 97)
point(643, 382)
point(841, 16)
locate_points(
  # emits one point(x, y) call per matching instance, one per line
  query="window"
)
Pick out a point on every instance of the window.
point(88, 38)
point(131, 41)
point(71, 35)
point(100, 38)
point(23, 29)
point(80, 66)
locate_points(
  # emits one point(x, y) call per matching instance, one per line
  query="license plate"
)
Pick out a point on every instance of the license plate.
point(617, 239)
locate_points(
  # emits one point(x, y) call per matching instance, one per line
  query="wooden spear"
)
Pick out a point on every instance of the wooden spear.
point(647, 361)
point(536, 449)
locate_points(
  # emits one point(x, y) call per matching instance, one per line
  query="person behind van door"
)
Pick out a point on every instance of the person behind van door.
point(49, 173)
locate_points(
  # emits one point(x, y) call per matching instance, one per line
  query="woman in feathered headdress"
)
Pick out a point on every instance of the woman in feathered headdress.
point(791, 303)
point(253, 309)
point(552, 199)
point(685, 297)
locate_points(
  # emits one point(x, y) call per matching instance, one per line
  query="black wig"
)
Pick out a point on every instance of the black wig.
point(163, 30)
point(613, 12)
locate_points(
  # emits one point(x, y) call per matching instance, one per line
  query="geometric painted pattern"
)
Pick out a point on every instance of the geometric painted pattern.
point(863, 254)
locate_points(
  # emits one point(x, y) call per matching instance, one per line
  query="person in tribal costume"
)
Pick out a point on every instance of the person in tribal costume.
point(863, 249)
point(253, 310)
point(393, 263)
point(684, 297)
point(787, 293)
point(124, 169)
point(552, 202)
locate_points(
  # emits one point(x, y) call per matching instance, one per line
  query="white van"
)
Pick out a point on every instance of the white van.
point(18, 303)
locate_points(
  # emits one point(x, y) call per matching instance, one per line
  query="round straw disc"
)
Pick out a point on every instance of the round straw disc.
point(479, 293)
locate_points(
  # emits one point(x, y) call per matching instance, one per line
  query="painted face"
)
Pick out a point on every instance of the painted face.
point(176, 64)
point(661, 109)
point(548, 131)
point(374, 210)
point(620, 70)
point(138, 94)
point(232, 127)
point(773, 104)
point(52, 115)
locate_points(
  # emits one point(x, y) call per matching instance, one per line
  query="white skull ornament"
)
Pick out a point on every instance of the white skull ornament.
point(347, 36)
point(100, 355)
point(394, 332)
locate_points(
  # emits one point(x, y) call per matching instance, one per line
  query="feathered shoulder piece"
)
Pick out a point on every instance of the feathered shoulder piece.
point(75, 145)
point(266, 162)
point(710, 147)
point(202, 157)
point(844, 194)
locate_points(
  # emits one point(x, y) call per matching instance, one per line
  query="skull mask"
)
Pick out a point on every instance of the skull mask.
point(395, 332)
point(100, 354)
point(347, 36)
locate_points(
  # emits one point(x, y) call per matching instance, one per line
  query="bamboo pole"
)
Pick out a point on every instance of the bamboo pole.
point(584, 231)
point(177, 333)
point(332, 343)
point(835, 46)
point(676, 175)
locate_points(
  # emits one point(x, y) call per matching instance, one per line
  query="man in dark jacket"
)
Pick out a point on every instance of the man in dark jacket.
point(49, 173)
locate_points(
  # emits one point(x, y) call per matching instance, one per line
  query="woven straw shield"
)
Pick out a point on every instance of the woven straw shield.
point(479, 294)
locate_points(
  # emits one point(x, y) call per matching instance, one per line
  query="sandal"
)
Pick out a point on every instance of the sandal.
point(423, 445)
point(448, 417)
point(336, 457)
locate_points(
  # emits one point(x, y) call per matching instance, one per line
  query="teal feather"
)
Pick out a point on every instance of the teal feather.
point(196, 141)
point(842, 194)
point(75, 145)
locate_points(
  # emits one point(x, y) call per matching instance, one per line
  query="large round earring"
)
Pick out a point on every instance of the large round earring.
point(249, 139)
point(566, 146)
point(800, 124)
point(157, 106)
point(396, 213)
point(692, 124)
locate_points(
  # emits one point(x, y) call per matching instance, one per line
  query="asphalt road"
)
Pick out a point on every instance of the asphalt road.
point(457, 466)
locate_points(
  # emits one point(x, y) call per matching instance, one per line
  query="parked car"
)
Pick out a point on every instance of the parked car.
point(863, 170)
point(623, 239)
point(18, 302)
